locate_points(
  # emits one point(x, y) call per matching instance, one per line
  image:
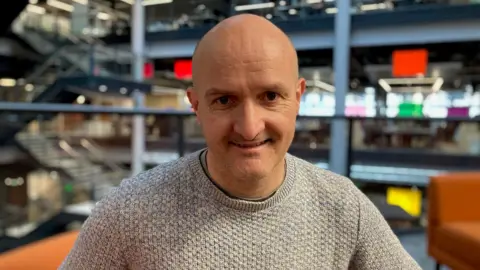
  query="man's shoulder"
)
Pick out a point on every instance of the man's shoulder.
point(327, 183)
point(164, 181)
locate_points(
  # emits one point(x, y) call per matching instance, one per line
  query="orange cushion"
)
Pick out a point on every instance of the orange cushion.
point(461, 240)
point(42, 255)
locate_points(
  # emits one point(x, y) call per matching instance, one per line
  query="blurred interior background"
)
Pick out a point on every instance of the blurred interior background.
point(393, 101)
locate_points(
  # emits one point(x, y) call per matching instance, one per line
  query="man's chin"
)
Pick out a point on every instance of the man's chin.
point(252, 168)
point(250, 175)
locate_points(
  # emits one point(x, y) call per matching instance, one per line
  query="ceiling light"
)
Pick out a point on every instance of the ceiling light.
point(255, 6)
point(384, 85)
point(331, 10)
point(437, 85)
point(322, 85)
point(162, 90)
point(7, 82)
point(156, 2)
point(35, 9)
point(369, 7)
point(325, 86)
point(29, 87)
point(60, 5)
point(314, 1)
point(81, 99)
point(103, 16)
point(411, 81)
point(33, 2)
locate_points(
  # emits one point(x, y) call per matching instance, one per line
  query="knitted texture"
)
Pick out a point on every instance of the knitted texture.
point(173, 217)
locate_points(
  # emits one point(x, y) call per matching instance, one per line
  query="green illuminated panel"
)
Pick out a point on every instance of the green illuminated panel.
point(410, 110)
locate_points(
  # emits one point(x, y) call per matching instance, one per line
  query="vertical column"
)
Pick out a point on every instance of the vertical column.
point(80, 18)
point(138, 47)
point(339, 128)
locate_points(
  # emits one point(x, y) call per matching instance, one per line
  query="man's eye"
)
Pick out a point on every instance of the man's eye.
point(223, 100)
point(271, 96)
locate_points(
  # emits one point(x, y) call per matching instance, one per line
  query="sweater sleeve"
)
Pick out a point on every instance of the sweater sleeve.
point(100, 244)
point(377, 246)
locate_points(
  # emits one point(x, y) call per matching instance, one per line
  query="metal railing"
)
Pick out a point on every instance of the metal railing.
point(375, 139)
point(176, 17)
point(382, 151)
point(96, 153)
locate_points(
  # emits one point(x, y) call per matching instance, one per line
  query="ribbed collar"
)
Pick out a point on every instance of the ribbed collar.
point(210, 190)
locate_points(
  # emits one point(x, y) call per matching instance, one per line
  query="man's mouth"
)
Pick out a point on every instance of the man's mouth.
point(251, 144)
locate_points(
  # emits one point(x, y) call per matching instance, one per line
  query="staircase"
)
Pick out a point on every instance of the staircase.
point(75, 50)
point(12, 123)
point(71, 54)
point(66, 90)
point(75, 54)
point(54, 153)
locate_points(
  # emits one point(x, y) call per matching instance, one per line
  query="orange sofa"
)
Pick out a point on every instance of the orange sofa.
point(46, 254)
point(454, 220)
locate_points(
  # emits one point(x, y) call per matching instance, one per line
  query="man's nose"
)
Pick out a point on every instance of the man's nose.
point(248, 122)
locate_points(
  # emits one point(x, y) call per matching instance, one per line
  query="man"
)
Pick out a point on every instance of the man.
point(242, 203)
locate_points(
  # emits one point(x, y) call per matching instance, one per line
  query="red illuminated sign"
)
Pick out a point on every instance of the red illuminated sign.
point(148, 70)
point(183, 69)
point(409, 63)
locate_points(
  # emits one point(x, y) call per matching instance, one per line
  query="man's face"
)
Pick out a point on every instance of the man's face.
point(247, 107)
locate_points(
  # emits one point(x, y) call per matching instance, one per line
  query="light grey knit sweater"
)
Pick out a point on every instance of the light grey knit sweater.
point(174, 217)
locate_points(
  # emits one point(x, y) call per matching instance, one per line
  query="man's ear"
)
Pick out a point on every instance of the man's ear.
point(193, 98)
point(301, 86)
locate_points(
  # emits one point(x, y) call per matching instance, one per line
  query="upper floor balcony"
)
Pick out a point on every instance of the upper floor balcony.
point(174, 26)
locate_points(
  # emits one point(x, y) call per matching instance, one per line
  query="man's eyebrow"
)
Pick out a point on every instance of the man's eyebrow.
point(277, 87)
point(216, 91)
point(273, 87)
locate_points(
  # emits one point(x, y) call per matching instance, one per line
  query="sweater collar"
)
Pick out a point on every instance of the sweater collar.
point(211, 191)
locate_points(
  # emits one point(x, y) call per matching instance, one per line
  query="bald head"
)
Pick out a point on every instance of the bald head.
point(243, 39)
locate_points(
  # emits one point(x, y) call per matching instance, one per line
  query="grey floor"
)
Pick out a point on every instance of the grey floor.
point(416, 245)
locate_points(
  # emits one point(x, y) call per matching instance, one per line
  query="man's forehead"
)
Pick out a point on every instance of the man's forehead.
point(230, 74)
point(224, 55)
point(256, 53)
point(225, 45)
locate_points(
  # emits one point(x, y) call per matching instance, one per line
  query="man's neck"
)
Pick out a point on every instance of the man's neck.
point(248, 189)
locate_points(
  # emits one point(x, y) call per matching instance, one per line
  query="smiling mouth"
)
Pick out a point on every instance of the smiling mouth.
point(251, 144)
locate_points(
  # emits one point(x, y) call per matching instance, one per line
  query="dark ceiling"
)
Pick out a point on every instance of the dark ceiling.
point(366, 64)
